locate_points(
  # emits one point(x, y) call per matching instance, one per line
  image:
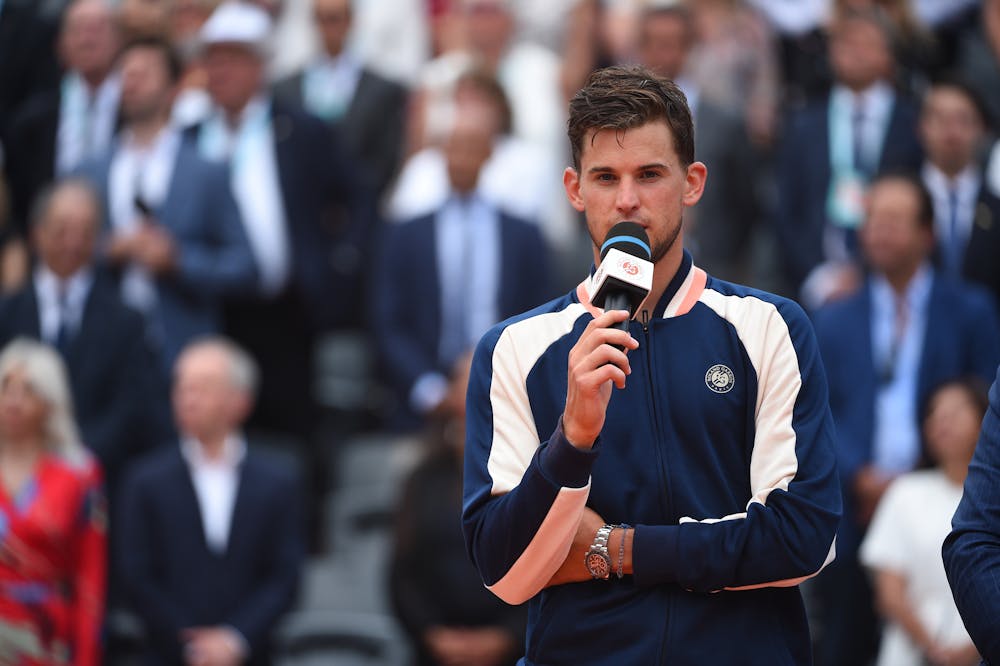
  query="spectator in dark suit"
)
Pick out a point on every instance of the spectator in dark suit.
point(436, 592)
point(173, 230)
point(367, 109)
point(211, 541)
point(966, 213)
point(307, 214)
point(445, 278)
point(721, 225)
point(833, 147)
point(70, 306)
point(58, 129)
point(906, 331)
point(27, 56)
point(972, 550)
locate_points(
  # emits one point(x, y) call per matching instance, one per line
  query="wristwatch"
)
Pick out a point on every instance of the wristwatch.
point(597, 560)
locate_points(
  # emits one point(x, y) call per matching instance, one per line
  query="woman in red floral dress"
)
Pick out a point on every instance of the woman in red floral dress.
point(53, 550)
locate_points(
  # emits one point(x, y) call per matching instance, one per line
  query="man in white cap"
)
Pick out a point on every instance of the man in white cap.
point(307, 214)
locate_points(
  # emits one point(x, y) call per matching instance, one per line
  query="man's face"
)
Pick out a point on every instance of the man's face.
point(859, 54)
point(147, 90)
point(235, 75)
point(333, 20)
point(950, 129)
point(206, 402)
point(88, 41)
point(66, 236)
point(634, 175)
point(892, 237)
point(664, 45)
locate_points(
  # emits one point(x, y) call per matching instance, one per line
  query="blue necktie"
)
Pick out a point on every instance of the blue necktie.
point(64, 330)
point(953, 244)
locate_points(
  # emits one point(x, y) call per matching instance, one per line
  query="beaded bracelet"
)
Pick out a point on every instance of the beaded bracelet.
point(621, 550)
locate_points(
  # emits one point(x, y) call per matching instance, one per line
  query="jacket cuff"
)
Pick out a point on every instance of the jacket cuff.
point(564, 465)
point(655, 557)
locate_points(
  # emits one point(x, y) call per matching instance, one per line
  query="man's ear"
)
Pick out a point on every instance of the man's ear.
point(571, 181)
point(697, 174)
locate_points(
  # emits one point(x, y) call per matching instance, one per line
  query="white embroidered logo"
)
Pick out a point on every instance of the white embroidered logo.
point(720, 379)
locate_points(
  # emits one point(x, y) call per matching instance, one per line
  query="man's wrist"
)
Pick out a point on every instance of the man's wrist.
point(577, 440)
point(620, 544)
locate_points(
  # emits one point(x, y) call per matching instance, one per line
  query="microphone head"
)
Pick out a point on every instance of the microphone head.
point(628, 237)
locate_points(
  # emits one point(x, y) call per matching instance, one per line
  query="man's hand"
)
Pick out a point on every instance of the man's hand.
point(154, 248)
point(594, 364)
point(212, 646)
point(465, 646)
point(573, 569)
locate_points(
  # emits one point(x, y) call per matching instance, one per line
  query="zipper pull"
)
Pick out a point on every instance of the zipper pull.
point(645, 321)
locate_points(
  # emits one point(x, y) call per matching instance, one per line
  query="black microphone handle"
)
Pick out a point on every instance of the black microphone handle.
point(617, 300)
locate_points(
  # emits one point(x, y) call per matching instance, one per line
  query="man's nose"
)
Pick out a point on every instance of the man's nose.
point(627, 199)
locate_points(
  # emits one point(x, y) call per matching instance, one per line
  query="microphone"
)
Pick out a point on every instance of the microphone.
point(625, 275)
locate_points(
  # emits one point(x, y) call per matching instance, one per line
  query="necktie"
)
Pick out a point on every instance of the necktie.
point(899, 323)
point(64, 331)
point(953, 244)
point(858, 135)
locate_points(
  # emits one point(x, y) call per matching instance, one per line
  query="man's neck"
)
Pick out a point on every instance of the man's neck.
point(664, 272)
point(950, 171)
point(213, 447)
point(94, 80)
point(145, 132)
point(901, 279)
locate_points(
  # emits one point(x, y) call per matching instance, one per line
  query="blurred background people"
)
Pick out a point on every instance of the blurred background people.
point(903, 545)
point(14, 260)
point(210, 535)
point(174, 236)
point(27, 55)
point(832, 148)
point(368, 110)
point(908, 329)
point(60, 128)
point(436, 593)
point(724, 222)
point(52, 518)
point(445, 278)
point(966, 213)
point(70, 305)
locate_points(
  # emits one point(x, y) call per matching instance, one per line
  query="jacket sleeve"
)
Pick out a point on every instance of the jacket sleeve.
point(219, 261)
point(786, 533)
point(972, 550)
point(523, 498)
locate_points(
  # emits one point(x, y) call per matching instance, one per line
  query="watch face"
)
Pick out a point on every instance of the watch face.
point(598, 564)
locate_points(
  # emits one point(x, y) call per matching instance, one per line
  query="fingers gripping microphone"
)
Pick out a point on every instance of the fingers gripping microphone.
point(625, 275)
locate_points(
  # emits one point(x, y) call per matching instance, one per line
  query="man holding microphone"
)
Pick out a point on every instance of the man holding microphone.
point(658, 487)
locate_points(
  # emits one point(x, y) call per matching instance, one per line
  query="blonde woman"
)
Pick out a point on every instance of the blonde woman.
point(52, 520)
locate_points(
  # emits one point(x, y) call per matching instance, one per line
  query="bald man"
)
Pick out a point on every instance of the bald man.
point(211, 534)
point(69, 305)
point(59, 129)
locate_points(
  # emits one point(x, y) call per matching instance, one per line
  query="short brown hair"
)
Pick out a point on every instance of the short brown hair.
point(622, 98)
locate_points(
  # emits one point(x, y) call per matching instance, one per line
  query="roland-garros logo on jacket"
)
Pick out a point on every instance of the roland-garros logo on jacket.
point(720, 379)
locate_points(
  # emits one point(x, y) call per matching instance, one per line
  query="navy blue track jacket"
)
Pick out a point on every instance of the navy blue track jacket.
point(719, 451)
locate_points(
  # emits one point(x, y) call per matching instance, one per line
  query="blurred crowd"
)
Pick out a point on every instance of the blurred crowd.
point(236, 237)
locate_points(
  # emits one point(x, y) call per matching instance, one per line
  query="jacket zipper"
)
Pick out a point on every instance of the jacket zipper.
point(664, 483)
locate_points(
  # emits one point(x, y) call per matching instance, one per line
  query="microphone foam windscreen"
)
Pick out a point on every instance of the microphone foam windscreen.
point(628, 237)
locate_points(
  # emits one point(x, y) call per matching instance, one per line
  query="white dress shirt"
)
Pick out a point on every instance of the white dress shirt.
point(897, 353)
point(216, 483)
point(146, 172)
point(86, 120)
point(329, 84)
point(59, 299)
point(249, 147)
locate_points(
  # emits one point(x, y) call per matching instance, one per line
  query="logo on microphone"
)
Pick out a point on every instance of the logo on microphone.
point(630, 267)
point(720, 379)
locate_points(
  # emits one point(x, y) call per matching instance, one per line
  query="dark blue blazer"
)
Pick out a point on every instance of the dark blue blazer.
point(803, 173)
point(174, 581)
point(972, 550)
point(981, 263)
point(330, 212)
point(115, 396)
point(960, 339)
point(213, 252)
point(407, 300)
